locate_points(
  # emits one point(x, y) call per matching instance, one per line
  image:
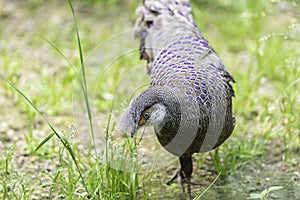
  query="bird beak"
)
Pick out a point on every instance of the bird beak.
point(133, 130)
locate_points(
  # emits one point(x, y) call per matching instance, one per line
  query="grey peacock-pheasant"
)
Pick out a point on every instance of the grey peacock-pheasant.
point(189, 100)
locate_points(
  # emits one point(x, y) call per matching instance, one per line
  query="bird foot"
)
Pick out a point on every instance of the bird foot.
point(181, 179)
point(177, 175)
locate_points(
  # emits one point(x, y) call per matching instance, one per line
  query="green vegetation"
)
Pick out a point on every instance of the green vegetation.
point(64, 81)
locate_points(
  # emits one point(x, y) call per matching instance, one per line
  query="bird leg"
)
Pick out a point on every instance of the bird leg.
point(187, 170)
point(188, 182)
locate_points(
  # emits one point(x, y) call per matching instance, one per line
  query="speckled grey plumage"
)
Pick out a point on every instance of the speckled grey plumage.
point(187, 77)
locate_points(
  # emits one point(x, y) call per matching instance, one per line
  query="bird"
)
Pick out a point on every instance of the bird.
point(189, 99)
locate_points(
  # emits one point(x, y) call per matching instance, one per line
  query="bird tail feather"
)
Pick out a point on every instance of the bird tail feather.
point(161, 14)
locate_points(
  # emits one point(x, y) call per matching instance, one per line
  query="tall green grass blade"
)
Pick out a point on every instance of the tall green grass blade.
point(44, 141)
point(53, 183)
point(206, 189)
point(58, 51)
point(84, 86)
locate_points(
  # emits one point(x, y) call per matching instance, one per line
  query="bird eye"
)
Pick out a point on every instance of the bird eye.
point(146, 115)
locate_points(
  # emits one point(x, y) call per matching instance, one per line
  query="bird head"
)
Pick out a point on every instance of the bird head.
point(144, 110)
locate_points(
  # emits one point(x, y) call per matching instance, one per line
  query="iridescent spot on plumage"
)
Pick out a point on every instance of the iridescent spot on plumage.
point(189, 89)
point(204, 44)
point(184, 67)
point(208, 104)
point(163, 52)
point(197, 88)
point(177, 42)
point(203, 83)
point(186, 4)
